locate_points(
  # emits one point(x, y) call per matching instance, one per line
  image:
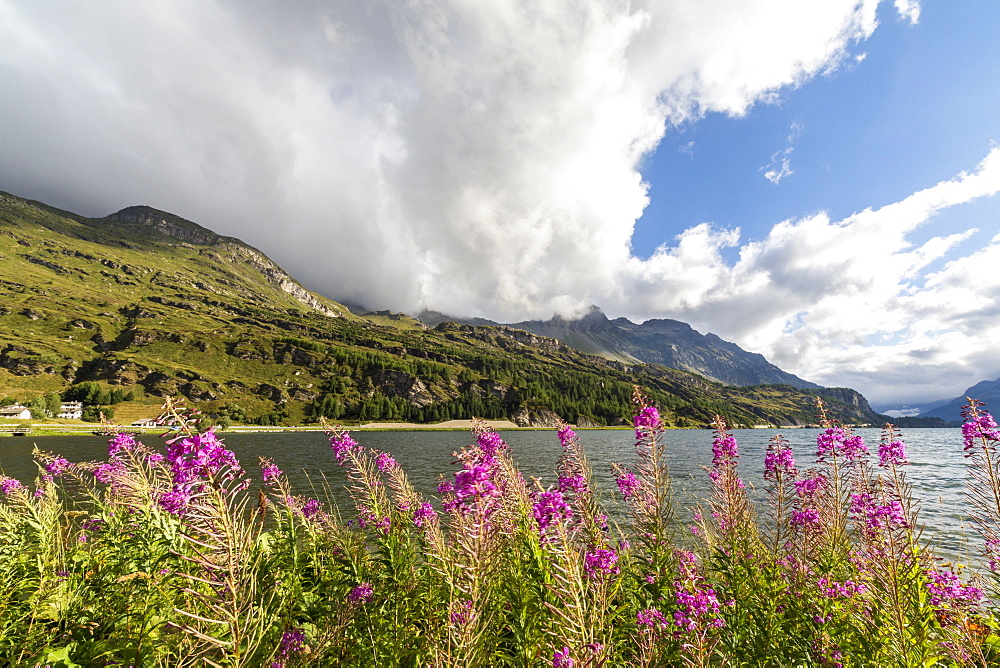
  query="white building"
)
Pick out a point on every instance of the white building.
point(15, 412)
point(71, 410)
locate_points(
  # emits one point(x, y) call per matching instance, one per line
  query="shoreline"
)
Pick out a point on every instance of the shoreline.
point(42, 429)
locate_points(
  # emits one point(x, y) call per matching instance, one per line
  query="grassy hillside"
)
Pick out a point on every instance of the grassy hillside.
point(147, 302)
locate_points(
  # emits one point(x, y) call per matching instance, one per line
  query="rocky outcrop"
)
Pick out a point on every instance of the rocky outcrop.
point(278, 277)
point(394, 383)
point(191, 233)
point(286, 353)
point(22, 361)
point(584, 422)
point(113, 371)
point(535, 417)
point(168, 225)
point(855, 403)
point(270, 392)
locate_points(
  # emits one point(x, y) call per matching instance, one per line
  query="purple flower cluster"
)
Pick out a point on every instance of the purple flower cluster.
point(461, 616)
point(269, 470)
point(341, 443)
point(651, 619)
point(490, 442)
point(293, 641)
point(647, 418)
point(472, 484)
point(834, 442)
point(195, 460)
point(808, 487)
point(806, 517)
point(561, 659)
point(123, 442)
point(839, 590)
point(384, 461)
point(576, 484)
point(627, 484)
point(724, 449)
point(875, 516)
point(549, 508)
point(946, 589)
point(600, 562)
point(57, 467)
point(424, 514)
point(310, 508)
point(566, 435)
point(725, 452)
point(92, 524)
point(779, 459)
point(697, 603)
point(361, 594)
point(10, 485)
point(174, 502)
point(979, 428)
point(110, 472)
point(992, 549)
point(892, 453)
point(806, 514)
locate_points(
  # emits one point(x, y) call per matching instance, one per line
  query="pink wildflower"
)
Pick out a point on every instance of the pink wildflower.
point(600, 562)
point(361, 594)
point(561, 659)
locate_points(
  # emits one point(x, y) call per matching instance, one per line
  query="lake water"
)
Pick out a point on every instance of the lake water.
point(937, 472)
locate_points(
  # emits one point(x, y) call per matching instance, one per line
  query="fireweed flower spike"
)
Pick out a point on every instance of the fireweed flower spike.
point(269, 471)
point(647, 490)
point(10, 486)
point(293, 641)
point(195, 461)
point(697, 615)
point(779, 460)
point(576, 485)
point(779, 472)
point(981, 436)
point(731, 507)
point(57, 467)
point(549, 510)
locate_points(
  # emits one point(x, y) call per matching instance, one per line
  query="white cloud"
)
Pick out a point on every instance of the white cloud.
point(780, 166)
point(849, 302)
point(909, 10)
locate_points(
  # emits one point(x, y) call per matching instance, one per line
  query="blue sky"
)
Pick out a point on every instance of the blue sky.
point(814, 181)
point(922, 106)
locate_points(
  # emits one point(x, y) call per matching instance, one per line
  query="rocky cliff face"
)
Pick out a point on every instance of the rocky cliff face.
point(278, 277)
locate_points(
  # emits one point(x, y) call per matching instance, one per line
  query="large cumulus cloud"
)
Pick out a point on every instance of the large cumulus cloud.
point(474, 157)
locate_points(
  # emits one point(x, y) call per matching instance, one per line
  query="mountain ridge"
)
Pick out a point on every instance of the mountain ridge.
point(987, 391)
point(145, 301)
point(670, 343)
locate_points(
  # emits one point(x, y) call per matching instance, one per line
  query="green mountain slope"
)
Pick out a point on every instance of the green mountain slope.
point(144, 301)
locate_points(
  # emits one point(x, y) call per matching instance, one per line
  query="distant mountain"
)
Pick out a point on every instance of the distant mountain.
point(143, 303)
point(669, 343)
point(987, 391)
